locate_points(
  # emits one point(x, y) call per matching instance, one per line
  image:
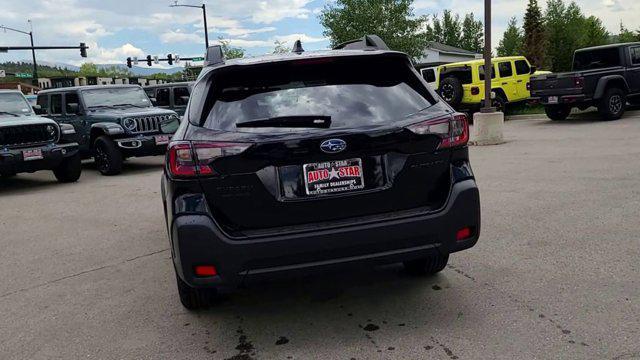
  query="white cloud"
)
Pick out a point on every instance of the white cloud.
point(177, 36)
point(274, 10)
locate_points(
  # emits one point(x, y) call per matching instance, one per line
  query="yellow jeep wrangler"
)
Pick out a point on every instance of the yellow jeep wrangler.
point(461, 84)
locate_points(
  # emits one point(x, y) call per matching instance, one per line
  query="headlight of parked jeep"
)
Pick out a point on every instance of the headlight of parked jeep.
point(129, 124)
point(67, 129)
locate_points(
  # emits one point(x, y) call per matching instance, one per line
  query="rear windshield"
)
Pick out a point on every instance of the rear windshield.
point(352, 93)
point(596, 59)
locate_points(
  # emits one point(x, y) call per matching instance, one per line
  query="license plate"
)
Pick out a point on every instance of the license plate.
point(33, 154)
point(552, 100)
point(162, 139)
point(333, 176)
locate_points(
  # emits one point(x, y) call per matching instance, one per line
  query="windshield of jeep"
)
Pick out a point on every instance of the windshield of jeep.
point(14, 104)
point(115, 97)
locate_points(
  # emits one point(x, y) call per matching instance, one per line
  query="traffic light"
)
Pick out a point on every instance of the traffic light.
point(170, 59)
point(129, 62)
point(83, 50)
point(149, 60)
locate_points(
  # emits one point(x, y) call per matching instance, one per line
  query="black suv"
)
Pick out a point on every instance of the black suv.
point(303, 161)
point(29, 143)
point(603, 76)
point(172, 96)
point(113, 122)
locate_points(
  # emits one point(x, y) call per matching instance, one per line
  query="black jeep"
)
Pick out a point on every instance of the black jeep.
point(303, 161)
point(112, 122)
point(603, 76)
point(29, 143)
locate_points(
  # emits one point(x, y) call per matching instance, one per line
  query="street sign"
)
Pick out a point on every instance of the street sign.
point(197, 59)
point(3, 73)
point(135, 60)
point(155, 60)
point(177, 60)
point(24, 75)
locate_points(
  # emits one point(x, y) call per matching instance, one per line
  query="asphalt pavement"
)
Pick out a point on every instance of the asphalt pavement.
point(86, 271)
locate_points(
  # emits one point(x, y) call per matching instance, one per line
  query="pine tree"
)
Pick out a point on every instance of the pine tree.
point(472, 34)
point(512, 40)
point(451, 29)
point(534, 35)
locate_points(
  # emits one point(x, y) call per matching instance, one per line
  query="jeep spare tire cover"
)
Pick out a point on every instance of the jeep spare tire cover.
point(451, 90)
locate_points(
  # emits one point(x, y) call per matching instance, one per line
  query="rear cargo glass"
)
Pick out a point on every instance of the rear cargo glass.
point(352, 92)
point(596, 59)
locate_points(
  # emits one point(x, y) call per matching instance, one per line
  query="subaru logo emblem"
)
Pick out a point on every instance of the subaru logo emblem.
point(333, 146)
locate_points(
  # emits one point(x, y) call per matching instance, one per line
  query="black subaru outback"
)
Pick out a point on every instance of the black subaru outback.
point(304, 161)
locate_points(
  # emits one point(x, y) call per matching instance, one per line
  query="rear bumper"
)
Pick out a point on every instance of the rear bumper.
point(562, 99)
point(197, 240)
point(12, 160)
point(140, 146)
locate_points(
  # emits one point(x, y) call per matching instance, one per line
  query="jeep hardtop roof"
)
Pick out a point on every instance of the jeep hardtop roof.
point(87, 87)
point(481, 61)
point(608, 46)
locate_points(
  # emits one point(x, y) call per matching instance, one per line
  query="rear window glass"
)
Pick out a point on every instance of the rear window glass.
point(56, 104)
point(180, 96)
point(522, 67)
point(596, 59)
point(481, 72)
point(352, 93)
point(505, 69)
point(635, 55)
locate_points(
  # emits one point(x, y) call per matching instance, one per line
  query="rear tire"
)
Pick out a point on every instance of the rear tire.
point(613, 104)
point(69, 170)
point(107, 156)
point(427, 266)
point(557, 112)
point(450, 90)
point(194, 299)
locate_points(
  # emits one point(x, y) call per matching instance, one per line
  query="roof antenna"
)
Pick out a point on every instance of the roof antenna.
point(297, 47)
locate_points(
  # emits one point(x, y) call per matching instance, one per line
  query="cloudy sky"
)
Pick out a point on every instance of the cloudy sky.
point(115, 29)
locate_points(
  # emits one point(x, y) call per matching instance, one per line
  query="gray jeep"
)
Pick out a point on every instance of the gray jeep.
point(29, 143)
point(113, 122)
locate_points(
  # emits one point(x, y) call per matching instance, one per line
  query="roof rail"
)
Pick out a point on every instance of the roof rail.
point(214, 56)
point(367, 42)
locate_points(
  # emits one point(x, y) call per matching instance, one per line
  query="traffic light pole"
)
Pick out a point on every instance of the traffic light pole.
point(34, 81)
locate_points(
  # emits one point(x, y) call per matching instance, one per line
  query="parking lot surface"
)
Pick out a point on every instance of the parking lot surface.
point(86, 271)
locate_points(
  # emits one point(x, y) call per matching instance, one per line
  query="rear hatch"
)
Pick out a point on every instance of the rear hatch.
point(302, 144)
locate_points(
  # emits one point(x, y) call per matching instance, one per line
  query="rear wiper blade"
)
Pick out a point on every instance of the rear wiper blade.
point(301, 121)
point(8, 113)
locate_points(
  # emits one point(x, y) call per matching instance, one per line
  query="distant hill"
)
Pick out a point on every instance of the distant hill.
point(25, 66)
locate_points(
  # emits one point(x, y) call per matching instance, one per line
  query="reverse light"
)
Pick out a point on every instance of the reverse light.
point(453, 130)
point(191, 159)
point(578, 81)
point(205, 270)
point(463, 234)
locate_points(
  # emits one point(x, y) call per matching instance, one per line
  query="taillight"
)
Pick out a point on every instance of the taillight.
point(190, 159)
point(475, 90)
point(578, 82)
point(453, 130)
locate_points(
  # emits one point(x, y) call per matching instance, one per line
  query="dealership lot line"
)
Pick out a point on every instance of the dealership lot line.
point(86, 270)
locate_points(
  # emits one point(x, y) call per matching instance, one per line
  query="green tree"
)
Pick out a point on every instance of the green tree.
point(88, 69)
point(280, 47)
point(594, 32)
point(512, 40)
point(451, 29)
point(627, 35)
point(229, 51)
point(392, 20)
point(534, 35)
point(564, 32)
point(472, 34)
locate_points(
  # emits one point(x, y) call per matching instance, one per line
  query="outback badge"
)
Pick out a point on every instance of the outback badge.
point(333, 146)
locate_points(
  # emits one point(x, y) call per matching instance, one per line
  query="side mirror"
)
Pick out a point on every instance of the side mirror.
point(533, 70)
point(37, 109)
point(72, 108)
